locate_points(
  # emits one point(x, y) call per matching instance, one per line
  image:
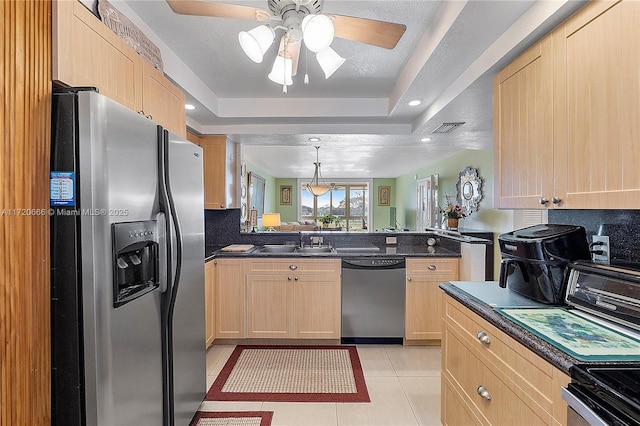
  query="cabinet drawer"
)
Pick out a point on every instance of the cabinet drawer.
point(513, 364)
point(433, 266)
point(297, 265)
point(498, 400)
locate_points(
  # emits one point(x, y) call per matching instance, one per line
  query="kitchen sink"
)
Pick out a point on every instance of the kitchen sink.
point(277, 248)
point(287, 248)
point(314, 250)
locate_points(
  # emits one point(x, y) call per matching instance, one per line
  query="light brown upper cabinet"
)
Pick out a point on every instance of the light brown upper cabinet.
point(163, 101)
point(598, 106)
point(87, 53)
point(220, 172)
point(566, 128)
point(523, 129)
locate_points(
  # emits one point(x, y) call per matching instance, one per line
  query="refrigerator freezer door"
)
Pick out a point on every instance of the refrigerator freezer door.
point(117, 183)
point(189, 355)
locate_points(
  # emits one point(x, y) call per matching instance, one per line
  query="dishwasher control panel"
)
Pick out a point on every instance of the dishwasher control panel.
point(374, 262)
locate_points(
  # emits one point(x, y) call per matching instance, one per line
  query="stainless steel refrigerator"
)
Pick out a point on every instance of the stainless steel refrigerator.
point(127, 278)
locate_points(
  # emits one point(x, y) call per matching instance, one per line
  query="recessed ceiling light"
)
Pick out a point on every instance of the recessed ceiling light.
point(414, 102)
point(425, 139)
point(189, 106)
point(314, 139)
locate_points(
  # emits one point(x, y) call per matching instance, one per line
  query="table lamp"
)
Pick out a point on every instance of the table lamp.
point(269, 220)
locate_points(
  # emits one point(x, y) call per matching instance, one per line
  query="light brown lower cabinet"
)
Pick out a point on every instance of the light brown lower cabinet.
point(424, 299)
point(488, 378)
point(229, 298)
point(269, 306)
point(293, 298)
point(210, 303)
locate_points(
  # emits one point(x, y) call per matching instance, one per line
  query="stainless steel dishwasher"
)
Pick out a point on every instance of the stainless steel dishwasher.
point(373, 294)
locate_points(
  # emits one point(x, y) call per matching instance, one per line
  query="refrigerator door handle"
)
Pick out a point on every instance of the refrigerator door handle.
point(161, 229)
point(166, 241)
point(168, 304)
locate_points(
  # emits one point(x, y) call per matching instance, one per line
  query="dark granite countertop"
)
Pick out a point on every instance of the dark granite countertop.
point(212, 252)
point(482, 297)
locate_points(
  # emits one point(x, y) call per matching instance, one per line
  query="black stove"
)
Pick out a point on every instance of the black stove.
point(608, 393)
point(612, 392)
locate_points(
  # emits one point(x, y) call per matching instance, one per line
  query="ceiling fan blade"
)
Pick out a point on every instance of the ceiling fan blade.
point(369, 31)
point(220, 10)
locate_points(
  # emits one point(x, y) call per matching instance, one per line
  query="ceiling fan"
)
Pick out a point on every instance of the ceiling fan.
point(301, 20)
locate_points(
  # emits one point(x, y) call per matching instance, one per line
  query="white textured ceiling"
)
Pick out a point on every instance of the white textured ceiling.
point(447, 58)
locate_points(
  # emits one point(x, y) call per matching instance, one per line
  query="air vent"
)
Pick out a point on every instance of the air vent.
point(447, 127)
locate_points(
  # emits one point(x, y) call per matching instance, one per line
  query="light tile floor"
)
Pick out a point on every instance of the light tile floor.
point(403, 384)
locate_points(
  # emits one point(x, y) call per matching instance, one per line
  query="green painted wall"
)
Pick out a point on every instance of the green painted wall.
point(380, 214)
point(486, 218)
point(287, 213)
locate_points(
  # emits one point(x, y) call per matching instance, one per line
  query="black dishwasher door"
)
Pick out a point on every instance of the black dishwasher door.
point(373, 296)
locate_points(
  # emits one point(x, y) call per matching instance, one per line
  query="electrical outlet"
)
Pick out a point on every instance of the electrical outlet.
point(391, 240)
point(601, 243)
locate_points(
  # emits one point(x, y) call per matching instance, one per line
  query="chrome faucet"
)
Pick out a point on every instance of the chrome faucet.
point(301, 239)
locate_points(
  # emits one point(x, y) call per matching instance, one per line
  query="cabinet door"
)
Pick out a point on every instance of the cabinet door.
point(424, 299)
point(209, 294)
point(270, 306)
point(423, 310)
point(598, 124)
point(214, 149)
point(163, 101)
point(523, 130)
point(229, 298)
point(87, 53)
point(317, 306)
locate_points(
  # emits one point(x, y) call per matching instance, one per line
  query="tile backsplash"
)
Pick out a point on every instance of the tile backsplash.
point(622, 227)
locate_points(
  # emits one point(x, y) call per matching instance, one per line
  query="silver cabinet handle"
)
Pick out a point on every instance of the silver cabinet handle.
point(432, 267)
point(296, 278)
point(483, 393)
point(543, 201)
point(289, 278)
point(408, 278)
point(556, 200)
point(483, 337)
point(293, 267)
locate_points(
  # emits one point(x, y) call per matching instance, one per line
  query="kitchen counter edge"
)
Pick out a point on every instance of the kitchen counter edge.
point(540, 347)
point(399, 251)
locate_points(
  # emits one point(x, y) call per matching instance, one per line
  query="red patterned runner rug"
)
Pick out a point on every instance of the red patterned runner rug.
point(291, 374)
point(232, 418)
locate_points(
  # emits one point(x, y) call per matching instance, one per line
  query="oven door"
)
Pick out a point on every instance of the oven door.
point(585, 407)
point(581, 409)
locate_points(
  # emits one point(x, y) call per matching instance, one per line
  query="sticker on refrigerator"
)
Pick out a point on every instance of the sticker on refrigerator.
point(62, 188)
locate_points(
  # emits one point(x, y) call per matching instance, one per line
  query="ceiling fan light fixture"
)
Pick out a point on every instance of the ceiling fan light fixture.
point(318, 32)
point(281, 71)
point(256, 42)
point(329, 61)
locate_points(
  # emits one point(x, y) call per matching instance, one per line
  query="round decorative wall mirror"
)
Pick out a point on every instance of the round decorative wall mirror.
point(469, 190)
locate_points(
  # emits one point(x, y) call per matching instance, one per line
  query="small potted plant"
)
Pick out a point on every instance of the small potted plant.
point(326, 219)
point(453, 213)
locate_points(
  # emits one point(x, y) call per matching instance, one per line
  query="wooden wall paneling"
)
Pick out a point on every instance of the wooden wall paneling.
point(25, 87)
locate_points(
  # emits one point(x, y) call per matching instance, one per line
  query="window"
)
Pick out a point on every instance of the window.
point(349, 202)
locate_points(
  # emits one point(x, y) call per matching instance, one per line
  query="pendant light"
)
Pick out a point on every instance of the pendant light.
point(317, 186)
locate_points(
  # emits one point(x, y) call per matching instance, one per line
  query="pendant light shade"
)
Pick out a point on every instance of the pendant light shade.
point(318, 32)
point(329, 61)
point(255, 43)
point(281, 71)
point(317, 186)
